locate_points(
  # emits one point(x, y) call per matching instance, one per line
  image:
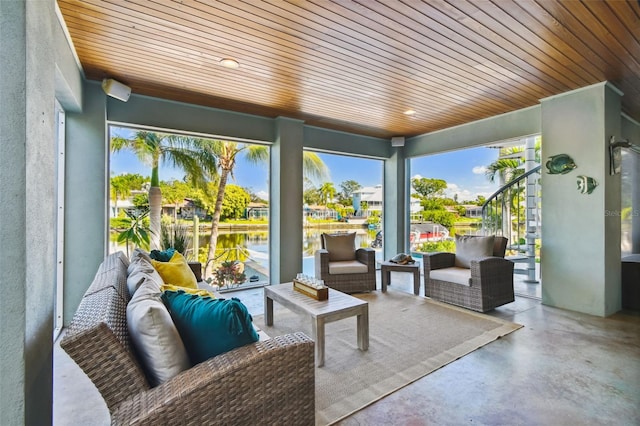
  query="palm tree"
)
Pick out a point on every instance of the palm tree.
point(153, 148)
point(509, 165)
point(504, 169)
point(327, 191)
point(122, 185)
point(119, 190)
point(226, 153)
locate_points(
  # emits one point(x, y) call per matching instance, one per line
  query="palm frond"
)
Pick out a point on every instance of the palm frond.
point(257, 154)
point(313, 167)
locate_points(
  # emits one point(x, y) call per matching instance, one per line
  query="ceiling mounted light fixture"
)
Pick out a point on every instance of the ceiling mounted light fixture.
point(409, 112)
point(229, 63)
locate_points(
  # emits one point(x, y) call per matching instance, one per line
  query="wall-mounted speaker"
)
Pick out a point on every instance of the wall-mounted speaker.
point(397, 141)
point(115, 89)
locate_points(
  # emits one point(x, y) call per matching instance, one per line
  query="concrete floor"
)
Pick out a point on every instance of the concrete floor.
point(562, 368)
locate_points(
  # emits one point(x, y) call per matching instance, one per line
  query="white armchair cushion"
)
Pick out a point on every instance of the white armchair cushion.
point(347, 267)
point(469, 247)
point(453, 274)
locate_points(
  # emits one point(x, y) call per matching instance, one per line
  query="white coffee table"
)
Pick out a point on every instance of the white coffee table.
point(337, 307)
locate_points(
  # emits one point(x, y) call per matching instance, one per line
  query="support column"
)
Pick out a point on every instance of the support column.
point(580, 242)
point(285, 206)
point(27, 196)
point(396, 207)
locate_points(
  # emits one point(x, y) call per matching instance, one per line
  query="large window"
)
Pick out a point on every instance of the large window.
point(348, 197)
point(164, 193)
point(629, 212)
point(450, 189)
point(447, 191)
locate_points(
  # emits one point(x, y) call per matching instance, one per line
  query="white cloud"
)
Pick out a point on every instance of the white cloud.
point(467, 194)
point(416, 177)
point(452, 186)
point(479, 170)
point(463, 194)
point(453, 189)
point(263, 195)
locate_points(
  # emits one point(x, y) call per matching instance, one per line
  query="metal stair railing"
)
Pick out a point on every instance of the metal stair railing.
point(514, 211)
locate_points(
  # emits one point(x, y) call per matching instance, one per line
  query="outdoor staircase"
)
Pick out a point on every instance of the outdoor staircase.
point(514, 211)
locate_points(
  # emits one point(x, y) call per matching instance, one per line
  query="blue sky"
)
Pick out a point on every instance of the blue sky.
point(463, 170)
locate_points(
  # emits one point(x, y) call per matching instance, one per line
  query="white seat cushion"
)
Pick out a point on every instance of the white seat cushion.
point(347, 267)
point(456, 275)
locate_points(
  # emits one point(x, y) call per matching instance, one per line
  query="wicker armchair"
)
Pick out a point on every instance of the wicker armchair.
point(346, 269)
point(269, 382)
point(485, 285)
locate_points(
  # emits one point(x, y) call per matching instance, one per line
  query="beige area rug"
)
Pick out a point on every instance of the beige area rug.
point(409, 337)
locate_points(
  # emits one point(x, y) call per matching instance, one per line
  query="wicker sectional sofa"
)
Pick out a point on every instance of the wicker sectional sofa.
point(267, 382)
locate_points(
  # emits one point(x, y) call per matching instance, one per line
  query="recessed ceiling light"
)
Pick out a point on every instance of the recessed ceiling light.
point(409, 112)
point(229, 63)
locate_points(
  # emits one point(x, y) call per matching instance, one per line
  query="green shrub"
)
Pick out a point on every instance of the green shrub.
point(438, 246)
point(176, 235)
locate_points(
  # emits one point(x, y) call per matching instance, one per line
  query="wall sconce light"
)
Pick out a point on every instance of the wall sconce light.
point(115, 89)
point(615, 154)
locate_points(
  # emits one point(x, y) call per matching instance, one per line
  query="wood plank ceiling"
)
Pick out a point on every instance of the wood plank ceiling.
point(357, 66)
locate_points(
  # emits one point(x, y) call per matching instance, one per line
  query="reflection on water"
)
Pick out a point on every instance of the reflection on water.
point(256, 246)
point(252, 248)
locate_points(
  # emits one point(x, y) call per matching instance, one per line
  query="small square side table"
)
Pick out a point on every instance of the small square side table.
point(387, 267)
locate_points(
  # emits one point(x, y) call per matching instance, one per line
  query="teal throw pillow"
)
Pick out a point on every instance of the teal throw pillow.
point(207, 326)
point(162, 256)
